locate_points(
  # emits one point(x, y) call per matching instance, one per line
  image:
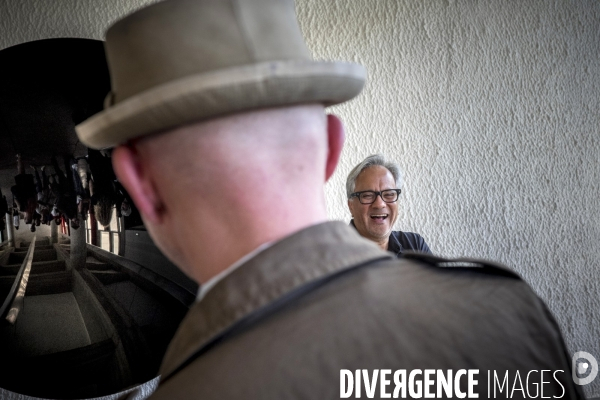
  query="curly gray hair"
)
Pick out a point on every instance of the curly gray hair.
point(375, 159)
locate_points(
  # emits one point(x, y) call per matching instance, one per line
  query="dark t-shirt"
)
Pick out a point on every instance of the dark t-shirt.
point(400, 241)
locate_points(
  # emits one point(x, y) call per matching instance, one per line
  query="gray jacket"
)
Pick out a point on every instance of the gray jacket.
point(284, 324)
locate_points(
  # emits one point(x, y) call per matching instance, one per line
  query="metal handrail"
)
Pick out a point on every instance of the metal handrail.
point(14, 301)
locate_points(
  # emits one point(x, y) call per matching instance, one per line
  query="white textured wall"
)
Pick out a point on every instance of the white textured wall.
point(26, 20)
point(491, 107)
point(492, 110)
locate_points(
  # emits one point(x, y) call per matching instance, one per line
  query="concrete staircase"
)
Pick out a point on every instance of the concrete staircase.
point(84, 331)
point(144, 313)
point(48, 352)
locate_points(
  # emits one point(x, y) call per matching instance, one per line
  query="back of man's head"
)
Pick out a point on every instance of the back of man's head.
point(217, 109)
point(260, 173)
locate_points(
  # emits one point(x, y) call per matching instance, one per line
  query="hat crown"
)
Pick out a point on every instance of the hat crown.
point(179, 38)
point(182, 61)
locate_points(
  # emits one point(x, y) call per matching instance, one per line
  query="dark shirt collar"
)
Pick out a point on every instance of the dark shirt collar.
point(394, 245)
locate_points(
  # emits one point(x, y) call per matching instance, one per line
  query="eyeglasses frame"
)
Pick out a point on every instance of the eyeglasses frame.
point(357, 195)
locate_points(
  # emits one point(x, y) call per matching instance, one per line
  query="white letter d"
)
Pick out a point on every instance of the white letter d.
point(346, 391)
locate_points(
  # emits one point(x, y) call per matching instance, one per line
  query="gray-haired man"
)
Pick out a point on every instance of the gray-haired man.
point(226, 91)
point(373, 188)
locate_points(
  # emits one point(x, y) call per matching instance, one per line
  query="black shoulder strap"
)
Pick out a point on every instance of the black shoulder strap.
point(485, 266)
point(308, 287)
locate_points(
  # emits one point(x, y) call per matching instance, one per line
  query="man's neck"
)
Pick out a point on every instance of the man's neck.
point(383, 245)
point(230, 245)
point(206, 286)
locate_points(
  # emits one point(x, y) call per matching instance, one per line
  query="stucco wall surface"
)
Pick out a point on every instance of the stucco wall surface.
point(26, 20)
point(490, 107)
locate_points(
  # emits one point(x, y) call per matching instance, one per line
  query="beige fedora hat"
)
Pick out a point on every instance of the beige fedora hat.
point(180, 61)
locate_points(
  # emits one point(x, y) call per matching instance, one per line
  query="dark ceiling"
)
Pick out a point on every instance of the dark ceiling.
point(47, 87)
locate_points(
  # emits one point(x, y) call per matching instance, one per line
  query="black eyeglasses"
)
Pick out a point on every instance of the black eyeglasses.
point(369, 196)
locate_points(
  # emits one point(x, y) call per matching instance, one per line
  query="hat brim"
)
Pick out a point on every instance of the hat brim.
point(222, 92)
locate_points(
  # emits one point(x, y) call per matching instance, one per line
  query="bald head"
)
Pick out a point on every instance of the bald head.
point(261, 173)
point(288, 144)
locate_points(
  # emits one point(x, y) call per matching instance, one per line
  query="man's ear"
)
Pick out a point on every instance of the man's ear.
point(131, 173)
point(350, 207)
point(335, 141)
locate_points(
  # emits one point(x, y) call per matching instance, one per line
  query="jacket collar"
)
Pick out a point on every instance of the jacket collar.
point(305, 256)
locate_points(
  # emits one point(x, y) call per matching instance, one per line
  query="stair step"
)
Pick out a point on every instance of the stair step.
point(108, 277)
point(44, 247)
point(49, 283)
point(8, 270)
point(40, 241)
point(44, 255)
point(37, 267)
point(72, 373)
point(44, 267)
point(99, 267)
point(38, 255)
point(37, 247)
point(6, 283)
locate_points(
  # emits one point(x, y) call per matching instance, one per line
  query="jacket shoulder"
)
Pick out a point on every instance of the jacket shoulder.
point(471, 264)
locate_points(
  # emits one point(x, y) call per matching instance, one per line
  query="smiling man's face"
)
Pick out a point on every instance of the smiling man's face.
point(374, 221)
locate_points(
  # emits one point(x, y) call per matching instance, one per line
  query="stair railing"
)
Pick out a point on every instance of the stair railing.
point(14, 301)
